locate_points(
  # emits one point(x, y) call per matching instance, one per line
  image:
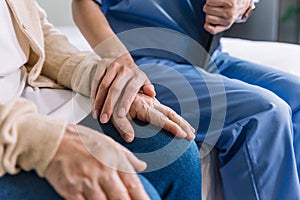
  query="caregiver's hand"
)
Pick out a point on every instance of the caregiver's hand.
point(116, 80)
point(90, 165)
point(221, 14)
point(151, 110)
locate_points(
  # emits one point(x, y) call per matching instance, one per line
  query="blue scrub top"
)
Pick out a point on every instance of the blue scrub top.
point(184, 16)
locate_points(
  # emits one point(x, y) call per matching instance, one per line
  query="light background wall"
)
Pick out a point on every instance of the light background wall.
point(264, 24)
point(58, 11)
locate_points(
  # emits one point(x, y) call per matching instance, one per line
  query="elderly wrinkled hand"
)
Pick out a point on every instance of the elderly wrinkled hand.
point(117, 79)
point(150, 110)
point(221, 14)
point(91, 165)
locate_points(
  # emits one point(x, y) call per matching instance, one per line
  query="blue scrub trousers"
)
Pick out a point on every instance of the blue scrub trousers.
point(179, 178)
point(248, 112)
point(257, 108)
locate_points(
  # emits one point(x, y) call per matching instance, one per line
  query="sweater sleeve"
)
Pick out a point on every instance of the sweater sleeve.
point(64, 63)
point(28, 140)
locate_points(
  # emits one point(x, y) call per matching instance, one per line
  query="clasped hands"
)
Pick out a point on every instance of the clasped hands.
point(91, 165)
point(120, 91)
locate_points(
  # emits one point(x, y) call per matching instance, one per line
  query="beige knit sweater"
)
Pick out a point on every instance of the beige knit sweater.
point(29, 140)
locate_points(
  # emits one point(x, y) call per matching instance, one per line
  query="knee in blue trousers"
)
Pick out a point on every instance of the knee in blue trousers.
point(177, 177)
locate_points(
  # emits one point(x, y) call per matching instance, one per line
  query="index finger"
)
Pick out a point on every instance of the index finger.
point(134, 186)
point(173, 116)
point(113, 186)
point(98, 76)
point(137, 164)
point(132, 88)
point(161, 120)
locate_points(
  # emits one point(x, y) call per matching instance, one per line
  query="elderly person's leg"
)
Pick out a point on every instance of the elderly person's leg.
point(250, 126)
point(173, 164)
point(29, 186)
point(26, 185)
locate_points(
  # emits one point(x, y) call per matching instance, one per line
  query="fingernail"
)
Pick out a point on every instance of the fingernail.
point(192, 133)
point(127, 137)
point(192, 136)
point(122, 112)
point(193, 130)
point(182, 133)
point(104, 118)
point(143, 165)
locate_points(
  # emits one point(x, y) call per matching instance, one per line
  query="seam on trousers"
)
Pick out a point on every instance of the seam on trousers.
point(254, 184)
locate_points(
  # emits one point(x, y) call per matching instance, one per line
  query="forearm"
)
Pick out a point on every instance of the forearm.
point(64, 63)
point(91, 21)
point(28, 140)
point(96, 29)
